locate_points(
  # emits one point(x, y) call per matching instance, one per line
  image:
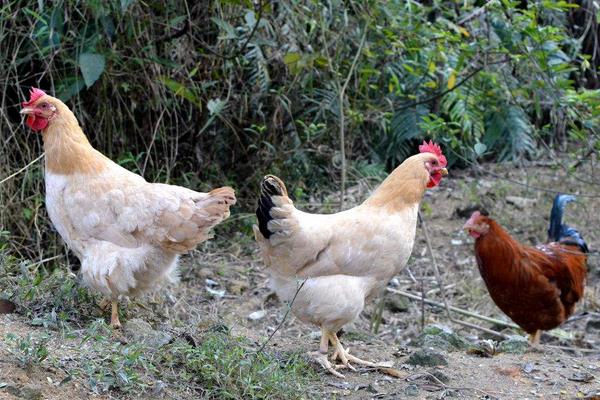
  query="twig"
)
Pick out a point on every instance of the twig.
point(455, 309)
point(262, 347)
point(342, 95)
point(567, 348)
point(22, 169)
point(416, 376)
point(475, 13)
point(436, 270)
point(148, 150)
point(445, 92)
point(260, 7)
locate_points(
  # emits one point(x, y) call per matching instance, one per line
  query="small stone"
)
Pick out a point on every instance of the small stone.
point(581, 377)
point(396, 303)
point(411, 390)
point(456, 242)
point(593, 325)
point(441, 337)
point(439, 375)
point(210, 282)
point(513, 346)
point(215, 293)
point(528, 368)
point(7, 306)
point(395, 283)
point(141, 331)
point(256, 315)
point(520, 202)
point(427, 358)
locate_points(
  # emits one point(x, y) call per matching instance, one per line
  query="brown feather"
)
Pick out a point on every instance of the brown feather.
point(536, 288)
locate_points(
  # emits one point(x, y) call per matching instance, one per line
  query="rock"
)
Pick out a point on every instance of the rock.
point(439, 375)
point(27, 392)
point(7, 306)
point(141, 331)
point(215, 293)
point(483, 348)
point(396, 303)
point(211, 283)
point(592, 325)
point(521, 202)
point(441, 337)
point(585, 377)
point(31, 392)
point(238, 287)
point(256, 315)
point(513, 346)
point(427, 358)
point(411, 390)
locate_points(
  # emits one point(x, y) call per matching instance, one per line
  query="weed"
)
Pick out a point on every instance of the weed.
point(30, 351)
point(227, 367)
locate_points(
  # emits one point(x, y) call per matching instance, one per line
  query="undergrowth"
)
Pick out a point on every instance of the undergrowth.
point(216, 93)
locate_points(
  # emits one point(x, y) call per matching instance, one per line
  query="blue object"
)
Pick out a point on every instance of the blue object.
point(563, 233)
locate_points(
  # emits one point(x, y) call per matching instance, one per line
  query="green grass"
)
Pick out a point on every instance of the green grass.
point(211, 363)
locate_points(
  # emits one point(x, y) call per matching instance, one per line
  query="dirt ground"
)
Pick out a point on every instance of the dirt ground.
point(232, 288)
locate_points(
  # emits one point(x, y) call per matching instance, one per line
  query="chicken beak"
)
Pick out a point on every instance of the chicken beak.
point(27, 110)
point(444, 171)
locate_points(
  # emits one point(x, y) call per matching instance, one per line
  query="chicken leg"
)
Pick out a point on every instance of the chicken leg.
point(534, 338)
point(114, 316)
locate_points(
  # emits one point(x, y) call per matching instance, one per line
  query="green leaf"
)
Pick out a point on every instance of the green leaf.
point(180, 90)
point(226, 27)
point(92, 66)
point(291, 58)
point(125, 4)
point(480, 148)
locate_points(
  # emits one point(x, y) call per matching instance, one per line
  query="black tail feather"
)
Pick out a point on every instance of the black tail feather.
point(271, 186)
point(562, 233)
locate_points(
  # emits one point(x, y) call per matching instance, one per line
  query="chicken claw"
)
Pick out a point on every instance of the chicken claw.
point(345, 356)
point(322, 360)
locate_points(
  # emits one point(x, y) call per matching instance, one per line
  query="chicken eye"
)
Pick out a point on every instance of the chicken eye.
point(44, 105)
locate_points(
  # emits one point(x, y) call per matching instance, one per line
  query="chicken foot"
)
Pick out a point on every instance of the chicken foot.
point(344, 355)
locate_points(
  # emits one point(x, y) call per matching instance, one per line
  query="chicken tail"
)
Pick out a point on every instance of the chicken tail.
point(563, 233)
point(225, 198)
point(271, 186)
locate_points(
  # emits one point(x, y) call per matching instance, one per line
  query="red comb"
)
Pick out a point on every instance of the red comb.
point(433, 148)
point(34, 95)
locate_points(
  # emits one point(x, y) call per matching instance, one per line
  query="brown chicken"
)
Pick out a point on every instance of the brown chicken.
point(347, 257)
point(127, 233)
point(537, 287)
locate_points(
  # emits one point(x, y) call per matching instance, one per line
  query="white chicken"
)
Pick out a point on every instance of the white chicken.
point(127, 233)
point(347, 257)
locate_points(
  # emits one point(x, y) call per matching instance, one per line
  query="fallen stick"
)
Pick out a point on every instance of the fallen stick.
point(455, 309)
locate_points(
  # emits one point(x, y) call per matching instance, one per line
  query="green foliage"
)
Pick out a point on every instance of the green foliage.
point(219, 366)
point(29, 351)
point(51, 297)
point(227, 367)
point(225, 92)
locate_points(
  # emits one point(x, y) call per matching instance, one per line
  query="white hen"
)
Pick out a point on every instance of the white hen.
point(127, 233)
